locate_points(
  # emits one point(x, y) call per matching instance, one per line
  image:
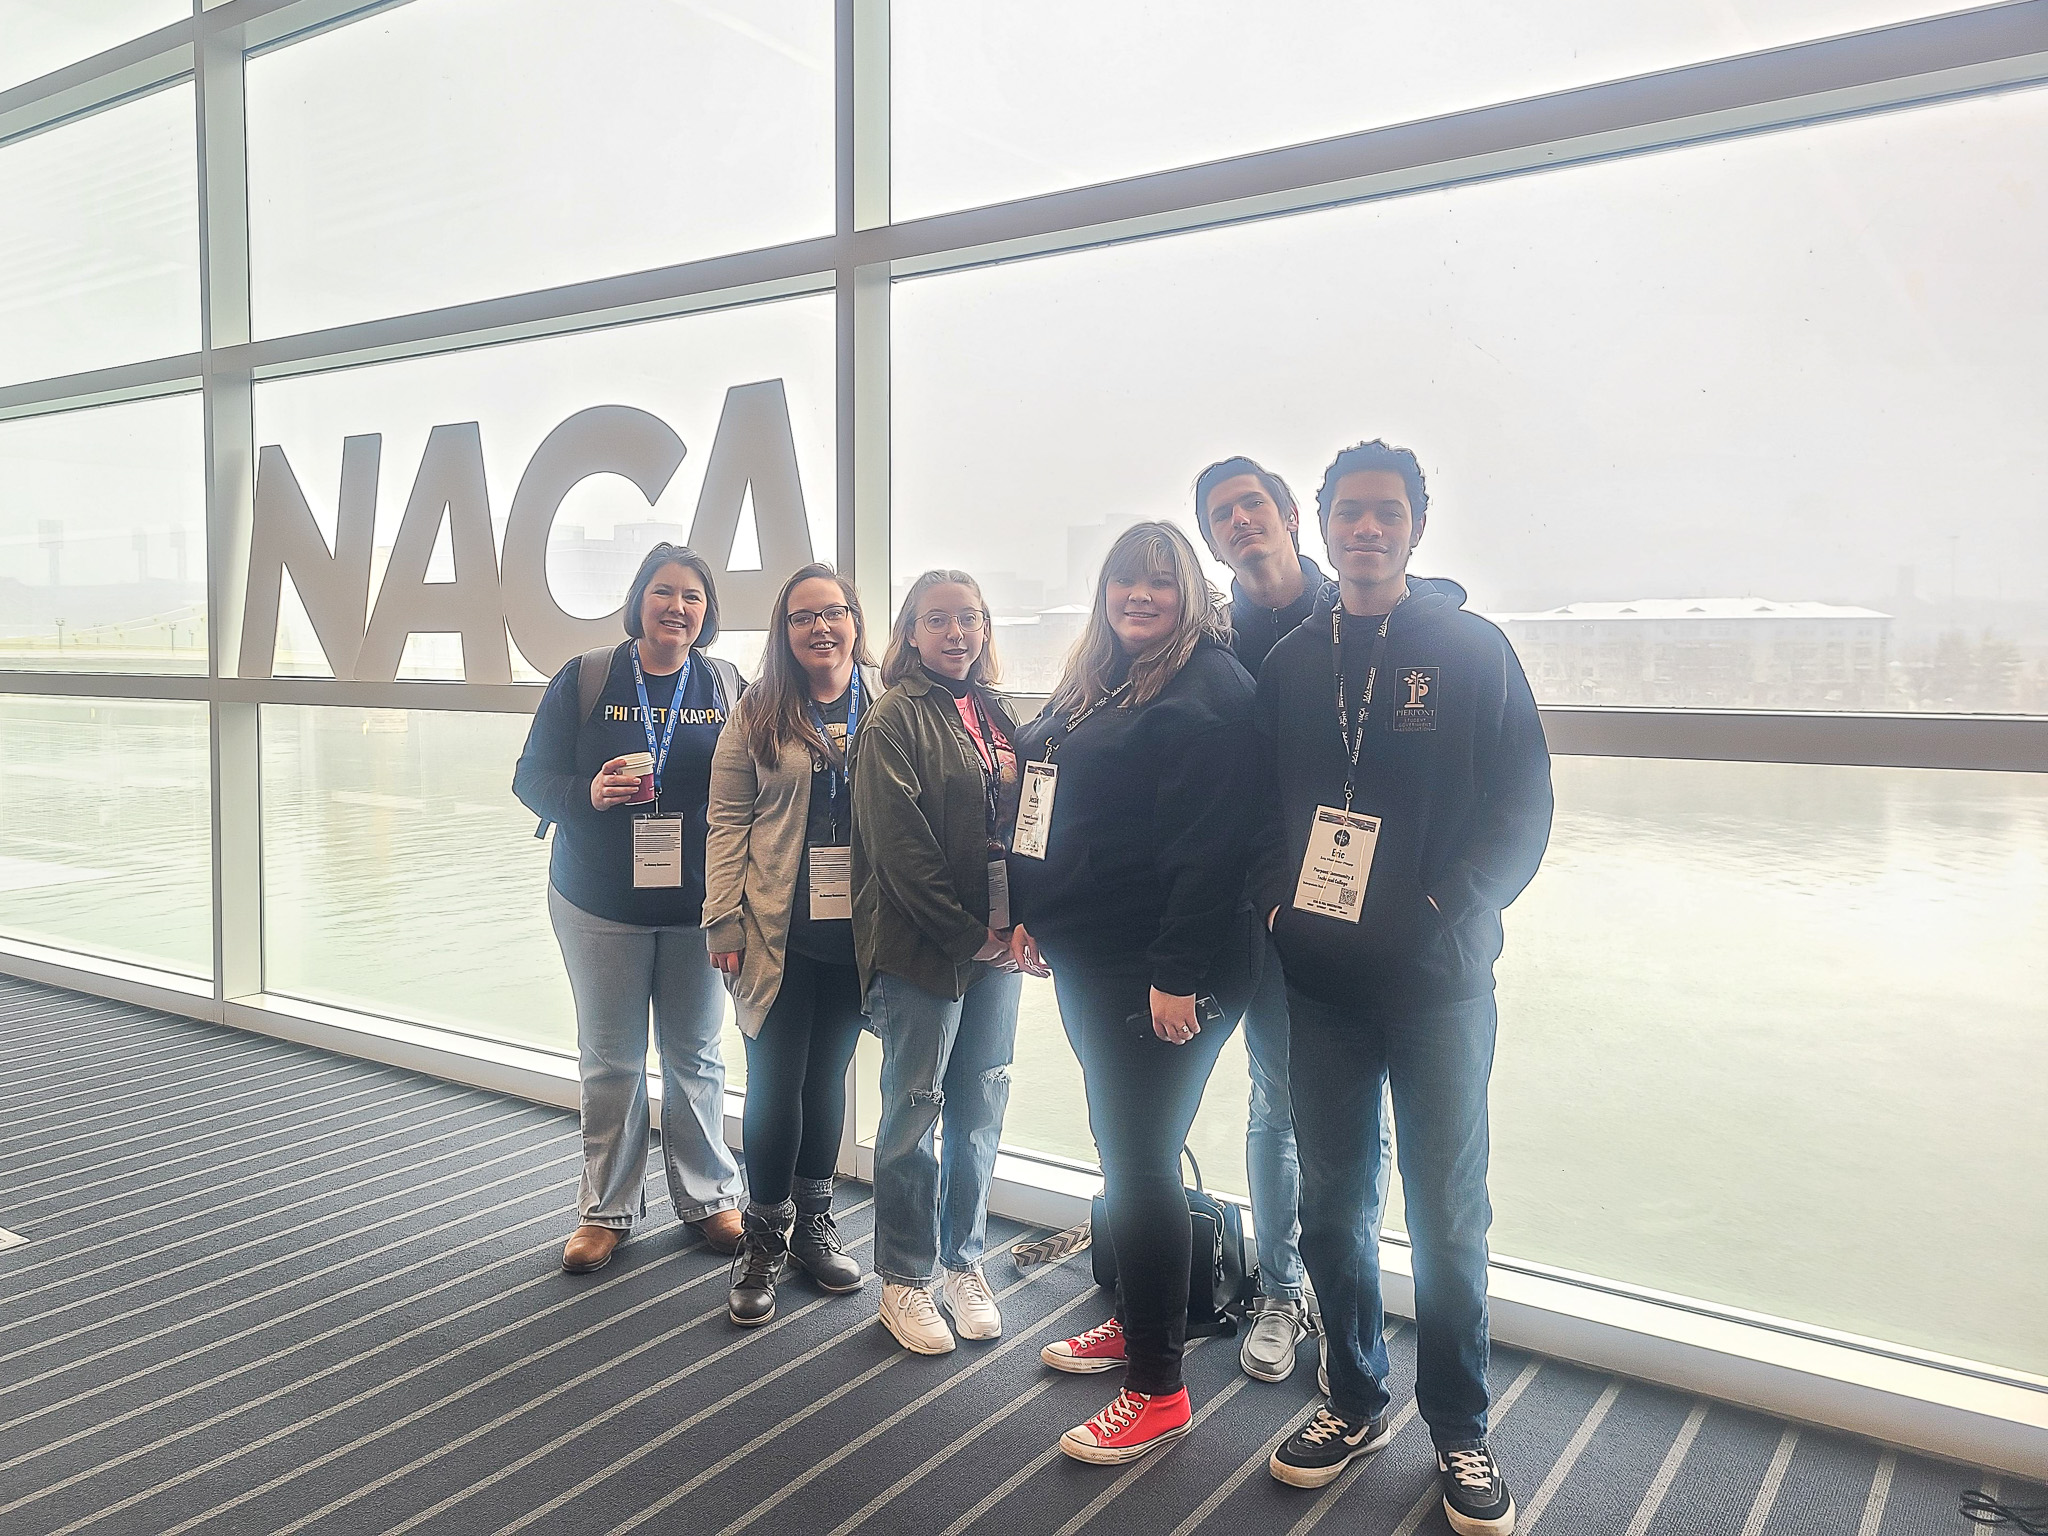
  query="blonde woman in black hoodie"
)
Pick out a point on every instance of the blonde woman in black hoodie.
point(1128, 878)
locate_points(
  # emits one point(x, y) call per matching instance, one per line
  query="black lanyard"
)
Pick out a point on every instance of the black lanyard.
point(1052, 742)
point(1354, 741)
point(991, 762)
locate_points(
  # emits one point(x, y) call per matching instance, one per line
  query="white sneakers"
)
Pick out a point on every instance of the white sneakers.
point(909, 1313)
point(965, 1294)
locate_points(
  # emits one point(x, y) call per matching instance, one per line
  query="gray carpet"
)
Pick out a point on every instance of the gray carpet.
point(270, 1290)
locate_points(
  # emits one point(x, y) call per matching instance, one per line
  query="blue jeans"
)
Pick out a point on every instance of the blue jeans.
point(939, 1058)
point(1437, 1061)
point(616, 971)
point(1269, 1154)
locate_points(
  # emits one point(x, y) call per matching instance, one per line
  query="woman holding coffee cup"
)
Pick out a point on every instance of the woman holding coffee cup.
point(778, 906)
point(619, 760)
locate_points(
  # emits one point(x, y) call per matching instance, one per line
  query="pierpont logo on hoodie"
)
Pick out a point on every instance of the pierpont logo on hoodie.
point(1416, 710)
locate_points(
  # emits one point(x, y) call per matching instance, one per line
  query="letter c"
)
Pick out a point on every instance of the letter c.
point(603, 440)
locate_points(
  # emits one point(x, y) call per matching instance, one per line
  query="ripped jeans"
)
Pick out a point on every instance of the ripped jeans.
point(939, 1058)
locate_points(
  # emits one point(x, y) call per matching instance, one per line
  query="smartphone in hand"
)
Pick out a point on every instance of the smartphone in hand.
point(1207, 1011)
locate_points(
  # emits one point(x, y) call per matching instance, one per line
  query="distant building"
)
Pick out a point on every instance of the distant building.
point(1705, 652)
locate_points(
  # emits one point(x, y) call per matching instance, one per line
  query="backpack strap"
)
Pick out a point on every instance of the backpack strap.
point(726, 683)
point(593, 671)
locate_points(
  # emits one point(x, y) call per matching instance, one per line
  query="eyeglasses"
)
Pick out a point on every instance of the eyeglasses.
point(970, 622)
point(806, 618)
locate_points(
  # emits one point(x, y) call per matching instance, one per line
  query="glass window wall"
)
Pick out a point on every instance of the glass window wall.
point(106, 829)
point(402, 878)
point(100, 264)
point(43, 35)
point(992, 102)
point(103, 540)
point(508, 145)
point(1752, 424)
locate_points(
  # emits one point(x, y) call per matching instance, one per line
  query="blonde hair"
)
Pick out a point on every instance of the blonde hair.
point(902, 654)
point(776, 712)
point(1144, 550)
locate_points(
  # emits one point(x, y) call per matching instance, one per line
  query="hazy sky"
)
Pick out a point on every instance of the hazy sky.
point(1782, 366)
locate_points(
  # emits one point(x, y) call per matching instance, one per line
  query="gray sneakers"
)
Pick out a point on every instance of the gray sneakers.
point(1278, 1324)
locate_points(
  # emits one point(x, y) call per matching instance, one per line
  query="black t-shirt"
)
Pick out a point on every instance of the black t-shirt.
point(592, 860)
point(827, 826)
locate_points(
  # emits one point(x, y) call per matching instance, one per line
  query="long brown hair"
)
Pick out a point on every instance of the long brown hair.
point(1143, 550)
point(902, 653)
point(776, 712)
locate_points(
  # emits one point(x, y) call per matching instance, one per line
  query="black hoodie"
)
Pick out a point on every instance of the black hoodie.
point(1255, 629)
point(1454, 762)
point(1149, 839)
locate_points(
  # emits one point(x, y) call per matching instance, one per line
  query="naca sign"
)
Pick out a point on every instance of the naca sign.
point(753, 448)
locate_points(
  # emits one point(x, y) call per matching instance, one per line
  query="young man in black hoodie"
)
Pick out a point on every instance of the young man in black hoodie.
point(1412, 786)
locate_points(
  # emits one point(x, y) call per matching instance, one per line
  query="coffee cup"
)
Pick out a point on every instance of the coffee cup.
point(641, 766)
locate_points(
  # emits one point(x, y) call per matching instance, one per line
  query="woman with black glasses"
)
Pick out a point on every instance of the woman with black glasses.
point(778, 906)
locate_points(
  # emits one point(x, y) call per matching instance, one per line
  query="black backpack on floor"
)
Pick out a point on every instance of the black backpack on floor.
point(1222, 1274)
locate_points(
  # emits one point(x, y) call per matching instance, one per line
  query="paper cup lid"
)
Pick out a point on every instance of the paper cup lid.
point(637, 762)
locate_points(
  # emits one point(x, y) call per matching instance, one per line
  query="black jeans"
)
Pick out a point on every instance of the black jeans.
point(796, 1077)
point(1142, 1097)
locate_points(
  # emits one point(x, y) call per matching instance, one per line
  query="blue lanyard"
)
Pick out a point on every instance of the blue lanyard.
point(837, 782)
point(675, 708)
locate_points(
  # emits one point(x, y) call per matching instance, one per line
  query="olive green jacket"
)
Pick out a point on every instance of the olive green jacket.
point(920, 839)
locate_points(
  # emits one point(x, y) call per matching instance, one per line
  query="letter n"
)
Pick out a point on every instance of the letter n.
point(334, 586)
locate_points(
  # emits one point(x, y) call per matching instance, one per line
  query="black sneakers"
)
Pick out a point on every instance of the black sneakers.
point(1324, 1446)
point(1476, 1497)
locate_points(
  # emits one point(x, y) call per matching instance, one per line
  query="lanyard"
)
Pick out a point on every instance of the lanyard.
point(1052, 743)
point(838, 770)
point(675, 708)
point(991, 764)
point(1354, 741)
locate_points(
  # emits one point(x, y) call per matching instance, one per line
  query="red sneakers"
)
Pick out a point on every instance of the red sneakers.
point(1129, 1427)
point(1099, 1349)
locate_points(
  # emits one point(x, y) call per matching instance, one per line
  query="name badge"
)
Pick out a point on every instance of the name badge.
point(998, 895)
point(1034, 810)
point(1338, 860)
point(831, 884)
point(657, 852)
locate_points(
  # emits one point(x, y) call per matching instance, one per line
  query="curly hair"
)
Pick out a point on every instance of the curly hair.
point(1377, 454)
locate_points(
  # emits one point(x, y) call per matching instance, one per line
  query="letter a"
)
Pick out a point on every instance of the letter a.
point(451, 479)
point(756, 447)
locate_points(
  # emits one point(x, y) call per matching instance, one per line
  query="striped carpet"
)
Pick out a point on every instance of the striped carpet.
point(270, 1290)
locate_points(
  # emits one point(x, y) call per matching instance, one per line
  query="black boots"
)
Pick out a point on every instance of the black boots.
point(764, 1250)
point(814, 1243)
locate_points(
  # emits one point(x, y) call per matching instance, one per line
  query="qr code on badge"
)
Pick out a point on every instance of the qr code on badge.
point(1345, 895)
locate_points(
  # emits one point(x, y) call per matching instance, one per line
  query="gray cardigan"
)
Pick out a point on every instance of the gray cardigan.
point(752, 855)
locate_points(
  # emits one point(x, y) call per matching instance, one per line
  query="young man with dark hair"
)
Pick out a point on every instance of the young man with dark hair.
point(1412, 786)
point(1250, 522)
